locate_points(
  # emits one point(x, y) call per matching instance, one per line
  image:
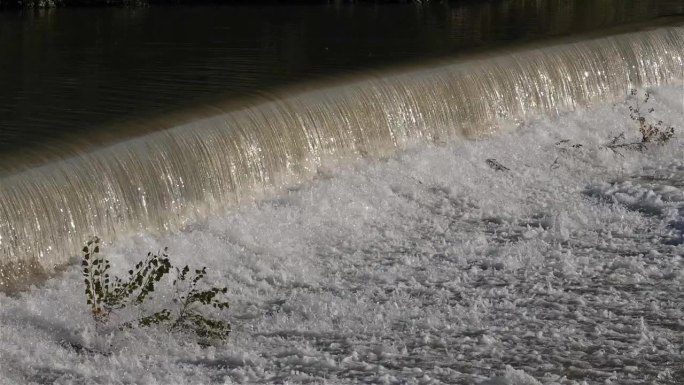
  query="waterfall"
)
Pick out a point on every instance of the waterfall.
point(163, 179)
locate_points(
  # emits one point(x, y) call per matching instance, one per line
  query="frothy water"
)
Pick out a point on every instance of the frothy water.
point(164, 179)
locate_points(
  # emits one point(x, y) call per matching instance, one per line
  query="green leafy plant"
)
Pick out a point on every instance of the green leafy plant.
point(106, 294)
point(189, 297)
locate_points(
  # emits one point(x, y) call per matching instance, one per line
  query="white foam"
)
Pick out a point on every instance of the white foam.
point(427, 267)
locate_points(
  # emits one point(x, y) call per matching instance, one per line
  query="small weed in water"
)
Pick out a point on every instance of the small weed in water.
point(107, 294)
point(650, 129)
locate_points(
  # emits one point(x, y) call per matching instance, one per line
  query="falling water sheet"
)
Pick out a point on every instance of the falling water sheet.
point(426, 267)
point(165, 180)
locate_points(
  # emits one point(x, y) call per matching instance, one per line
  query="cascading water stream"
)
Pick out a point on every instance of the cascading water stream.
point(164, 179)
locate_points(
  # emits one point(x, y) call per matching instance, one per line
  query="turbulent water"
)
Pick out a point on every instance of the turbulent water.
point(427, 267)
point(538, 255)
point(166, 178)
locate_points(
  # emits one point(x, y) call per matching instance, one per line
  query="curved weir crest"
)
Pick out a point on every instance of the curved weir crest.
point(164, 179)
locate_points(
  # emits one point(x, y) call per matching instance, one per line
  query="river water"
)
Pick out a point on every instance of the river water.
point(115, 121)
point(104, 72)
point(316, 160)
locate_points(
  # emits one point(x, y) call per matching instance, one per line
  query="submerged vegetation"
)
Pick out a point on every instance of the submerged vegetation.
point(107, 294)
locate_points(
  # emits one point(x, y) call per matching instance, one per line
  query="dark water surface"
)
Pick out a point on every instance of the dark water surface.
point(77, 72)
